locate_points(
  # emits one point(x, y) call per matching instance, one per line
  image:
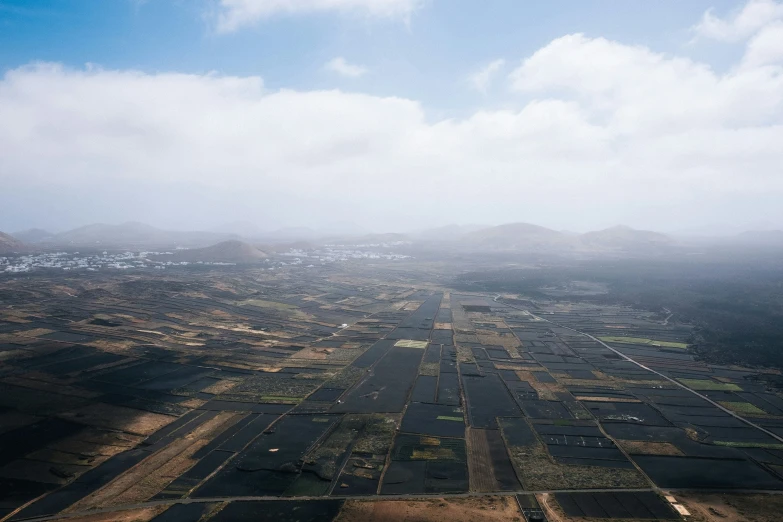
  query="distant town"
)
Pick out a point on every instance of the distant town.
point(146, 259)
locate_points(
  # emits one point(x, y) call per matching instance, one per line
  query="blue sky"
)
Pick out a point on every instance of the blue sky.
point(667, 112)
point(426, 58)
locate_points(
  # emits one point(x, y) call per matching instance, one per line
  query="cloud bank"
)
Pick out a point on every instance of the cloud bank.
point(603, 132)
point(742, 24)
point(340, 66)
point(236, 14)
point(481, 79)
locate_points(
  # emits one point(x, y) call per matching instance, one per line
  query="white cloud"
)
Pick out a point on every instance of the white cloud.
point(766, 47)
point(608, 133)
point(481, 79)
point(342, 67)
point(234, 14)
point(741, 24)
point(633, 90)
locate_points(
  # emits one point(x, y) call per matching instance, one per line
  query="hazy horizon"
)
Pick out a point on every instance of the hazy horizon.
point(396, 116)
point(250, 230)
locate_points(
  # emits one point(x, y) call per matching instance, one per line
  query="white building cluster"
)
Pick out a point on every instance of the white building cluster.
point(88, 262)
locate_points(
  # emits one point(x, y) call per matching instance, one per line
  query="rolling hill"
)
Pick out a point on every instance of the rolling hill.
point(10, 244)
point(448, 232)
point(624, 238)
point(33, 236)
point(518, 236)
point(134, 234)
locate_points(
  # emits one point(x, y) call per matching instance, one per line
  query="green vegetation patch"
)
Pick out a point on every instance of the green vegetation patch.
point(376, 438)
point(763, 445)
point(708, 385)
point(281, 399)
point(742, 407)
point(431, 369)
point(345, 378)
point(323, 459)
point(641, 340)
point(447, 418)
point(425, 447)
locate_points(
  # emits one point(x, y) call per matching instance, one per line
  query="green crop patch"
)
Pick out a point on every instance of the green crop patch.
point(408, 343)
point(280, 399)
point(742, 407)
point(733, 444)
point(447, 418)
point(641, 340)
point(708, 385)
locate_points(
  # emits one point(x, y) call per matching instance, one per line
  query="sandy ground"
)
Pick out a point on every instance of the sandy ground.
point(119, 418)
point(155, 472)
point(220, 387)
point(649, 448)
point(711, 507)
point(314, 353)
point(481, 473)
point(133, 515)
point(436, 510)
point(551, 508)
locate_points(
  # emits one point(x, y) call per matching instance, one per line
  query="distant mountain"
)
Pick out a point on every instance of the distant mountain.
point(371, 239)
point(510, 237)
point(33, 235)
point(624, 238)
point(284, 247)
point(134, 234)
point(343, 228)
point(322, 234)
point(9, 244)
point(448, 232)
point(241, 228)
point(518, 236)
point(527, 237)
point(288, 235)
point(232, 251)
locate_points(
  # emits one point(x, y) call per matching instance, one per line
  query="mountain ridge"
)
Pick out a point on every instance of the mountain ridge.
point(134, 233)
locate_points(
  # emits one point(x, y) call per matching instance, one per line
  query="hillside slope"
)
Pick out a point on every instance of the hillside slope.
point(518, 236)
point(10, 244)
point(33, 235)
point(622, 237)
point(134, 234)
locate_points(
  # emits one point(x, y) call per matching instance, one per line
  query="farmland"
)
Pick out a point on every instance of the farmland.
point(353, 392)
